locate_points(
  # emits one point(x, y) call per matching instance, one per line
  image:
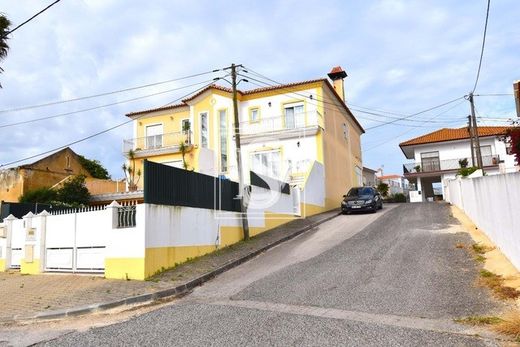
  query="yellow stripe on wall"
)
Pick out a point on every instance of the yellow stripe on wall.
point(125, 268)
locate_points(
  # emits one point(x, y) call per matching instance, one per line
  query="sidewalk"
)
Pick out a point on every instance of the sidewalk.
point(58, 295)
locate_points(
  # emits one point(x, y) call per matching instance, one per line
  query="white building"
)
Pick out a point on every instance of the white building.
point(436, 157)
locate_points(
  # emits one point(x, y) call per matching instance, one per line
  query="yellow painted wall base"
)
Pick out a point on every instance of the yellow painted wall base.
point(159, 259)
point(125, 268)
point(32, 268)
point(2, 265)
point(230, 235)
point(308, 210)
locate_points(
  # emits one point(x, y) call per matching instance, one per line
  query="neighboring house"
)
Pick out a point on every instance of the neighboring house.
point(284, 131)
point(369, 177)
point(396, 184)
point(436, 156)
point(50, 171)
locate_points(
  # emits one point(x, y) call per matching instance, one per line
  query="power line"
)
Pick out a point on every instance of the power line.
point(366, 118)
point(409, 130)
point(99, 107)
point(337, 105)
point(106, 93)
point(499, 94)
point(92, 135)
point(482, 49)
point(30, 19)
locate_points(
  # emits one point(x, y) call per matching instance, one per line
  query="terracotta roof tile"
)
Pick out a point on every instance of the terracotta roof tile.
point(449, 134)
point(389, 177)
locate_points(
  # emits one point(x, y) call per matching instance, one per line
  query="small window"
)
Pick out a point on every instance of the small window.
point(68, 161)
point(254, 115)
point(204, 131)
point(345, 131)
point(186, 126)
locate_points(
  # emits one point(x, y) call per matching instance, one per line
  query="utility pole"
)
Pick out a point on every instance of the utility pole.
point(475, 131)
point(471, 135)
point(241, 188)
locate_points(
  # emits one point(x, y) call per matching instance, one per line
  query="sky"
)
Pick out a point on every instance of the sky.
point(401, 57)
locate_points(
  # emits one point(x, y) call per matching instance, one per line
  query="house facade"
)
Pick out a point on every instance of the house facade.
point(397, 184)
point(369, 177)
point(438, 156)
point(285, 130)
point(46, 172)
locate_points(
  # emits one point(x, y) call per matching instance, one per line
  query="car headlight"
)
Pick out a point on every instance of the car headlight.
point(343, 203)
point(368, 202)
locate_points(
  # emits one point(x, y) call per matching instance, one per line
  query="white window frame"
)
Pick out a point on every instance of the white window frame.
point(147, 136)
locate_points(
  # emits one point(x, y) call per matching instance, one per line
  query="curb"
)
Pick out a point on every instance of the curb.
point(165, 293)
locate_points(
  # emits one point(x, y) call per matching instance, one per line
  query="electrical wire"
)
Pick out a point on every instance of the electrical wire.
point(92, 135)
point(337, 105)
point(100, 106)
point(483, 45)
point(21, 108)
point(407, 131)
point(30, 19)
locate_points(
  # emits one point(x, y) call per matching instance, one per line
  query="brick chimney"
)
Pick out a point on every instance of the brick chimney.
point(337, 75)
point(516, 88)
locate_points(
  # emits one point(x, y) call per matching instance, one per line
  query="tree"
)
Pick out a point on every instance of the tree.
point(74, 192)
point(130, 173)
point(383, 189)
point(4, 31)
point(514, 136)
point(43, 195)
point(94, 168)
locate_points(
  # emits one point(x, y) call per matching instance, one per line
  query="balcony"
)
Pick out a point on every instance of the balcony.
point(434, 165)
point(285, 126)
point(157, 144)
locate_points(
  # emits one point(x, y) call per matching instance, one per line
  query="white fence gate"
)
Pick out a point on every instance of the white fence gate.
point(76, 242)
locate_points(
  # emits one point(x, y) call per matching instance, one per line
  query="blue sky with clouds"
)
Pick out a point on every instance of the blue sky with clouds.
point(401, 57)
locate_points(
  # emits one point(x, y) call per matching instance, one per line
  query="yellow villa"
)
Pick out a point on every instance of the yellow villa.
point(285, 130)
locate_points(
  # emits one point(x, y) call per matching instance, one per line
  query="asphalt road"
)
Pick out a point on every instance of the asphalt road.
point(394, 278)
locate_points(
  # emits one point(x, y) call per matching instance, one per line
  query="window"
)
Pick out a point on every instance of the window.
point(254, 115)
point(487, 156)
point(68, 161)
point(204, 132)
point(267, 163)
point(223, 141)
point(294, 116)
point(154, 135)
point(430, 161)
point(185, 126)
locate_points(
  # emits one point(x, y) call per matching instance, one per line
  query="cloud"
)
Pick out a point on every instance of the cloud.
point(401, 56)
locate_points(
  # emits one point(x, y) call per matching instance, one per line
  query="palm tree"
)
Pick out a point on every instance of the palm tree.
point(4, 31)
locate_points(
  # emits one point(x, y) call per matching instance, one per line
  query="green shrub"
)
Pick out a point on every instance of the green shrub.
point(399, 197)
point(466, 171)
point(383, 189)
point(41, 195)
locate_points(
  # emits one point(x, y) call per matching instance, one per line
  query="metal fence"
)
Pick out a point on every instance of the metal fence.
point(166, 185)
point(126, 216)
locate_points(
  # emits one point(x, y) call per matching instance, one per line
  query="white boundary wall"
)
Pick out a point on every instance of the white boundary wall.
point(492, 203)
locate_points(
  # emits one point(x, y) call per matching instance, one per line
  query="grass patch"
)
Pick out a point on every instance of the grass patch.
point(496, 284)
point(480, 258)
point(481, 249)
point(479, 320)
point(510, 325)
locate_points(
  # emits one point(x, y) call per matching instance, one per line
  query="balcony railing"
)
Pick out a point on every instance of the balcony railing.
point(434, 165)
point(281, 123)
point(162, 141)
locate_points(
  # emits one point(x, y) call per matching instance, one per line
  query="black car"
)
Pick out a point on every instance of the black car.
point(361, 199)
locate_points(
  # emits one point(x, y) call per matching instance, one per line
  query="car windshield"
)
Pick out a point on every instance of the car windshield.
point(360, 191)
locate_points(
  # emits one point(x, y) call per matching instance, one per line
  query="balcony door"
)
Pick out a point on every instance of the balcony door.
point(487, 156)
point(154, 134)
point(430, 161)
point(294, 116)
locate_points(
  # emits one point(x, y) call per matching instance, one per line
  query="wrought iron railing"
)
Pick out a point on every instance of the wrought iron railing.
point(434, 165)
point(280, 123)
point(169, 140)
point(126, 216)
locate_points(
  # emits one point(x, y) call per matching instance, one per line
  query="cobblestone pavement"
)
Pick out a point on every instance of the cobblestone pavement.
point(26, 295)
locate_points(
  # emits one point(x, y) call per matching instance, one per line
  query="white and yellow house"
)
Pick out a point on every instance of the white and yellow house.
point(284, 131)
